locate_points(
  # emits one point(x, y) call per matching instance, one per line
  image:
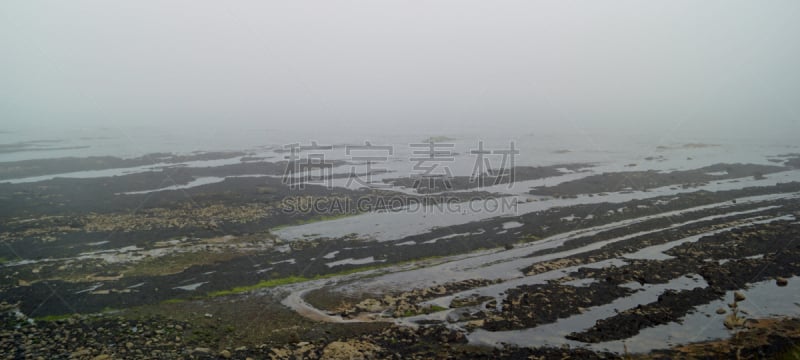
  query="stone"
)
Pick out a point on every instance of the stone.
point(80, 353)
point(202, 350)
point(476, 323)
point(353, 349)
point(279, 353)
point(732, 321)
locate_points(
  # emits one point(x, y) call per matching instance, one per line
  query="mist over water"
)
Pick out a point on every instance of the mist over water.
point(190, 70)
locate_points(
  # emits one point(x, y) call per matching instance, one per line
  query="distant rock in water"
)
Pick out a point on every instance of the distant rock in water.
point(437, 139)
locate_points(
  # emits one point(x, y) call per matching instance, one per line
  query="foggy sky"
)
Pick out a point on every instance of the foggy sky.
point(388, 64)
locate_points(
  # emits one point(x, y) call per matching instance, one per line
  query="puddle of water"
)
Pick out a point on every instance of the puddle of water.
point(351, 261)
point(431, 241)
point(261, 271)
point(386, 226)
point(497, 291)
point(194, 183)
point(656, 252)
point(135, 286)
point(506, 264)
point(287, 261)
point(763, 300)
point(123, 171)
point(553, 334)
point(511, 225)
point(580, 282)
point(133, 253)
point(191, 287)
point(90, 289)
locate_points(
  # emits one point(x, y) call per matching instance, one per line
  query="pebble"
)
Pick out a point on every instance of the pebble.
point(202, 350)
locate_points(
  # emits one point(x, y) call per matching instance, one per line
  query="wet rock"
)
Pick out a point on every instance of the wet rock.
point(370, 305)
point(531, 305)
point(81, 353)
point(471, 300)
point(738, 296)
point(491, 304)
point(721, 311)
point(473, 324)
point(781, 281)
point(279, 353)
point(201, 350)
point(669, 307)
point(732, 321)
point(353, 349)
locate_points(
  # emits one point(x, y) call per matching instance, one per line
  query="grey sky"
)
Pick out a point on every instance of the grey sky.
point(532, 64)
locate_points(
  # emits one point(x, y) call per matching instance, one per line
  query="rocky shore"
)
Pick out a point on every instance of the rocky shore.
point(91, 271)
